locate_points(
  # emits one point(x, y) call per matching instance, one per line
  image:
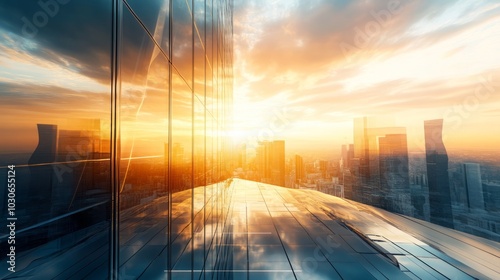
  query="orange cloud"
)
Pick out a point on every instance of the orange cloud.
point(329, 61)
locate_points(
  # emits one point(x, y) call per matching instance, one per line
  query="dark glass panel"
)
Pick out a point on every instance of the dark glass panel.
point(182, 176)
point(182, 40)
point(154, 15)
point(55, 100)
point(144, 150)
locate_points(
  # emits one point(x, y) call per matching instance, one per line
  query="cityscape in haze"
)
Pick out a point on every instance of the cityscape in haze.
point(250, 139)
point(378, 170)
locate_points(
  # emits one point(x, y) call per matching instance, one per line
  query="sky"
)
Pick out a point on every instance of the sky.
point(305, 69)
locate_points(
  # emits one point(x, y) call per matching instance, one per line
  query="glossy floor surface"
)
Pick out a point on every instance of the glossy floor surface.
point(273, 233)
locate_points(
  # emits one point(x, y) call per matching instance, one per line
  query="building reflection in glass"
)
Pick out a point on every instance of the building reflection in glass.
point(39, 197)
point(378, 166)
point(437, 174)
point(172, 95)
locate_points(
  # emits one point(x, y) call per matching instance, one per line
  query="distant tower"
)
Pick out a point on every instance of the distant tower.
point(41, 180)
point(278, 163)
point(473, 185)
point(343, 157)
point(263, 162)
point(299, 169)
point(437, 174)
point(271, 162)
point(394, 175)
point(350, 156)
point(45, 151)
point(323, 168)
point(361, 146)
point(81, 142)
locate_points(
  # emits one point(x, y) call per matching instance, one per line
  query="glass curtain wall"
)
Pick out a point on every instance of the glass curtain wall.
point(115, 101)
point(175, 98)
point(55, 189)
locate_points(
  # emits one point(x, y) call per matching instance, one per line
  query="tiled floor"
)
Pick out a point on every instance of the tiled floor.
point(273, 233)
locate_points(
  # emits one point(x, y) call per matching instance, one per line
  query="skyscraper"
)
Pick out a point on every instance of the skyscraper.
point(42, 174)
point(437, 174)
point(373, 136)
point(367, 132)
point(473, 185)
point(263, 162)
point(299, 169)
point(394, 177)
point(361, 147)
point(271, 162)
point(323, 168)
point(278, 163)
point(347, 154)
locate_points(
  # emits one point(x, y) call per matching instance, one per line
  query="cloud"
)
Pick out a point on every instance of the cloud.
point(309, 40)
point(78, 36)
point(50, 101)
point(330, 61)
point(312, 38)
point(75, 34)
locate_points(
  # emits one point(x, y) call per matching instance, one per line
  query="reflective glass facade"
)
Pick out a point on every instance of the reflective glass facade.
point(107, 106)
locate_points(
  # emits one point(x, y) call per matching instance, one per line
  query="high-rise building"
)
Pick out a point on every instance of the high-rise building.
point(437, 174)
point(367, 133)
point(278, 163)
point(323, 168)
point(271, 162)
point(394, 176)
point(350, 155)
point(348, 169)
point(81, 142)
point(373, 136)
point(343, 154)
point(473, 185)
point(347, 155)
point(38, 200)
point(263, 161)
point(361, 146)
point(299, 169)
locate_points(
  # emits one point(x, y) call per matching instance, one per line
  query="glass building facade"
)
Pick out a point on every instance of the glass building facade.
point(107, 106)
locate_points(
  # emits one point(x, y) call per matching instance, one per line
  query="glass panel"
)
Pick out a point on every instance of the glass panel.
point(144, 152)
point(182, 179)
point(200, 62)
point(182, 168)
point(199, 181)
point(54, 149)
point(199, 136)
point(182, 40)
point(155, 17)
